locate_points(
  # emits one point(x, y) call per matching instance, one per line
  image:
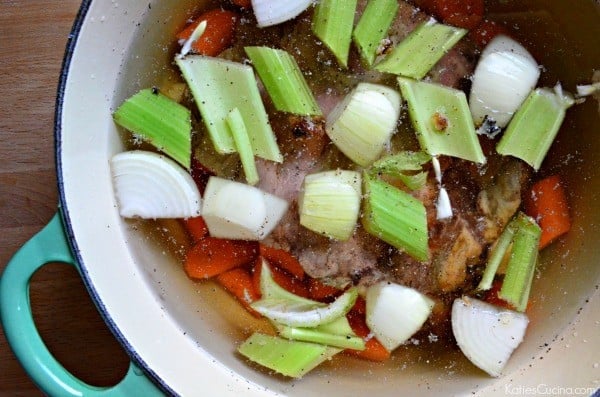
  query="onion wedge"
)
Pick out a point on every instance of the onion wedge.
point(487, 334)
point(273, 12)
point(395, 312)
point(305, 313)
point(151, 186)
point(234, 210)
point(504, 77)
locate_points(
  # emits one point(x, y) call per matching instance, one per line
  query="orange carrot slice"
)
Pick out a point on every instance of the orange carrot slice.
point(282, 259)
point(374, 351)
point(239, 283)
point(219, 33)
point(196, 227)
point(285, 280)
point(547, 204)
point(212, 256)
point(319, 291)
point(492, 297)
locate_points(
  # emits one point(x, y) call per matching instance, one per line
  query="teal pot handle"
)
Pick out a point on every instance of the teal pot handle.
point(50, 245)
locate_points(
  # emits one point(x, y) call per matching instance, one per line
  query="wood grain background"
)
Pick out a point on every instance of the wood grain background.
point(33, 35)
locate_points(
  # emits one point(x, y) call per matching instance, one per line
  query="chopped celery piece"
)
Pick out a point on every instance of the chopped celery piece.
point(158, 119)
point(534, 127)
point(421, 49)
point(283, 80)
point(521, 265)
point(242, 143)
point(395, 217)
point(497, 253)
point(362, 124)
point(373, 27)
point(442, 120)
point(339, 326)
point(219, 86)
point(301, 314)
point(315, 335)
point(289, 358)
point(333, 21)
point(330, 203)
point(401, 164)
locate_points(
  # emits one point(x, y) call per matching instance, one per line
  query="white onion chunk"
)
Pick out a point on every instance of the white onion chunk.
point(487, 334)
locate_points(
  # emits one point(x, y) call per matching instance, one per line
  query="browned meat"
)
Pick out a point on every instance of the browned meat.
point(341, 261)
point(481, 203)
point(450, 263)
point(303, 140)
point(499, 201)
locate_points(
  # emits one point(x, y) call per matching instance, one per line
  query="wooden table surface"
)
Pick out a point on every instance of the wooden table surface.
point(33, 35)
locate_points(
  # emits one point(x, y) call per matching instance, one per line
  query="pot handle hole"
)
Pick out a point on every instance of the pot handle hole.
point(47, 246)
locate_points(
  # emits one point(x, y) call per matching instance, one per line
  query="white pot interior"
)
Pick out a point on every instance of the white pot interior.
point(186, 333)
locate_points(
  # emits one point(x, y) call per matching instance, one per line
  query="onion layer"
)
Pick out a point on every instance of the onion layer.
point(395, 312)
point(504, 77)
point(487, 334)
point(151, 186)
point(273, 12)
point(235, 210)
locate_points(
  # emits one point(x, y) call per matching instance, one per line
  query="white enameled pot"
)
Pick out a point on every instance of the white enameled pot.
point(183, 335)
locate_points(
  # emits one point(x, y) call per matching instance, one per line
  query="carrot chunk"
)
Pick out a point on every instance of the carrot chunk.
point(285, 280)
point(462, 13)
point(219, 33)
point(492, 297)
point(374, 351)
point(212, 256)
point(319, 291)
point(239, 283)
point(282, 259)
point(547, 204)
point(196, 227)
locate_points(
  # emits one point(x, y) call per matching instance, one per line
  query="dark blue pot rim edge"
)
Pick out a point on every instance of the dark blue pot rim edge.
point(64, 209)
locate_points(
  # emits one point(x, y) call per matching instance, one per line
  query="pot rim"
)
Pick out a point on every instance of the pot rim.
point(64, 210)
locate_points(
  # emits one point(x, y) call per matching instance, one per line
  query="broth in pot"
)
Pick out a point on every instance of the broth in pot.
point(484, 196)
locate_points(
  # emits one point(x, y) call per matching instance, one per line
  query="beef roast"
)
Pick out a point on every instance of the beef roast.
point(483, 199)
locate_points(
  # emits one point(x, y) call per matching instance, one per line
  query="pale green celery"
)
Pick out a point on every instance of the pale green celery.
point(373, 27)
point(497, 253)
point(314, 335)
point(330, 203)
point(159, 120)
point(219, 86)
point(533, 128)
point(332, 23)
point(401, 165)
point(421, 49)
point(287, 357)
point(430, 106)
point(242, 143)
point(521, 265)
point(396, 217)
point(283, 80)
